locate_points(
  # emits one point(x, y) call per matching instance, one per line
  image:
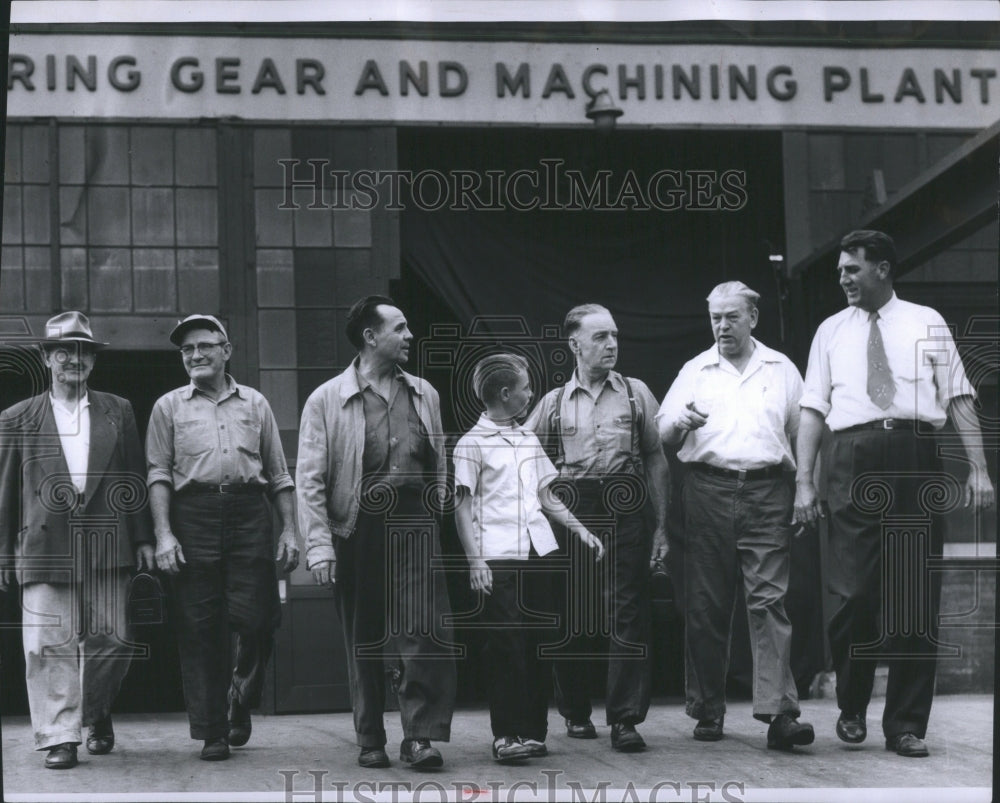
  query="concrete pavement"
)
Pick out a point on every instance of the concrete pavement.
point(287, 755)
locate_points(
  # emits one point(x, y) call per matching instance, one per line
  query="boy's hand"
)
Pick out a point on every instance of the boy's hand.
point(480, 576)
point(592, 541)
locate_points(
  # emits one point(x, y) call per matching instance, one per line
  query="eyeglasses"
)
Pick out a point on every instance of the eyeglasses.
point(201, 348)
point(61, 354)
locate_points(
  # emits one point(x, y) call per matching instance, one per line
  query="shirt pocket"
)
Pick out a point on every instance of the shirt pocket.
point(192, 438)
point(621, 429)
point(248, 436)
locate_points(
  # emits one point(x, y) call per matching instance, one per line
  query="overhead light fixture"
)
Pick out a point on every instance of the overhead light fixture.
point(602, 110)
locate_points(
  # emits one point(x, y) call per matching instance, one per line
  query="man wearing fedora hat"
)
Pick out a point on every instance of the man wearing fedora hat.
point(214, 451)
point(73, 519)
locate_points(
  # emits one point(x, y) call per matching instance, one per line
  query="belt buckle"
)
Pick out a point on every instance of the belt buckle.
point(741, 474)
point(888, 423)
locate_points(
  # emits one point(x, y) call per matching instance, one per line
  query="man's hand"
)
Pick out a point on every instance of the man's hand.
point(169, 555)
point(690, 418)
point(979, 490)
point(590, 540)
point(324, 573)
point(287, 555)
point(480, 576)
point(145, 558)
point(807, 508)
point(660, 546)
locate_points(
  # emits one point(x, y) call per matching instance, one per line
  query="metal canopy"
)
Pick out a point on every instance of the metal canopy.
point(941, 206)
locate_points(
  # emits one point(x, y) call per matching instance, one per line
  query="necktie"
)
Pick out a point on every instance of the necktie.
point(881, 388)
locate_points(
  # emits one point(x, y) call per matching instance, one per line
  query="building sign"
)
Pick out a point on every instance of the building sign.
point(497, 83)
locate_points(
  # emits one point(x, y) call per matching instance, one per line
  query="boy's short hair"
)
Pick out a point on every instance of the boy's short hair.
point(496, 372)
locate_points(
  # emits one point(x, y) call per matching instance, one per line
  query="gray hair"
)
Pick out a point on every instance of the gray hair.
point(576, 315)
point(729, 289)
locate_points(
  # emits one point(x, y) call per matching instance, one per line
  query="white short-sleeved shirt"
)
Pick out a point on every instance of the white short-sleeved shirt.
point(504, 468)
point(922, 357)
point(753, 416)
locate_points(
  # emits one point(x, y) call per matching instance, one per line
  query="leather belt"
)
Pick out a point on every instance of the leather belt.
point(887, 424)
point(766, 473)
point(224, 488)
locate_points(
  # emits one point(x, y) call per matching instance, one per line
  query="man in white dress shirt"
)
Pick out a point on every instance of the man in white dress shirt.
point(884, 374)
point(734, 410)
point(73, 518)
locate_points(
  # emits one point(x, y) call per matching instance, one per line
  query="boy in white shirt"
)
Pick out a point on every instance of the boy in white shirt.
point(502, 478)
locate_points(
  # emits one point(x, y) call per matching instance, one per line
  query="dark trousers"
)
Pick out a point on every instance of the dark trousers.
point(517, 617)
point(392, 606)
point(736, 533)
point(888, 602)
point(227, 586)
point(606, 605)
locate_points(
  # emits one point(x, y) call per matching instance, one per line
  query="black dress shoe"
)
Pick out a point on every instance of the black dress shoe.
point(851, 728)
point(786, 731)
point(373, 758)
point(61, 757)
point(215, 749)
point(584, 729)
point(419, 753)
point(101, 737)
point(908, 745)
point(709, 730)
point(625, 738)
point(240, 725)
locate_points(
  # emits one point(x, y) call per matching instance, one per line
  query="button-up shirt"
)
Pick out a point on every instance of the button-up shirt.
point(233, 439)
point(924, 362)
point(504, 468)
point(753, 416)
point(597, 431)
point(73, 424)
point(396, 445)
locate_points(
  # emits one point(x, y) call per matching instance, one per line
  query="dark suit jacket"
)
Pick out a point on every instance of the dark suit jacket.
point(38, 502)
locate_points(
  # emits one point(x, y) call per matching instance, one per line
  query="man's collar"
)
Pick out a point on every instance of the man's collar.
point(354, 383)
point(886, 309)
point(760, 353)
point(613, 378)
point(82, 404)
point(231, 387)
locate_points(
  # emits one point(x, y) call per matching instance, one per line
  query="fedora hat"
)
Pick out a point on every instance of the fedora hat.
point(70, 327)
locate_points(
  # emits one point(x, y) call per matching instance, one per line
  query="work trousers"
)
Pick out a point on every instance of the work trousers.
point(392, 605)
point(604, 606)
point(518, 618)
point(227, 587)
point(737, 532)
point(76, 652)
point(888, 601)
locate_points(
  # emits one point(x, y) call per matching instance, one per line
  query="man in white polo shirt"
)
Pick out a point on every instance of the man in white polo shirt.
point(735, 411)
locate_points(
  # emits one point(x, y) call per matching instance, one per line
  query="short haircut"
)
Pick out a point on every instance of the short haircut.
point(575, 316)
point(729, 289)
point(364, 315)
point(878, 247)
point(496, 372)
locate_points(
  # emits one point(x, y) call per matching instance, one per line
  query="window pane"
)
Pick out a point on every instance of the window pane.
point(109, 216)
point(107, 155)
point(12, 215)
point(276, 338)
point(274, 225)
point(35, 160)
point(11, 280)
point(72, 165)
point(73, 215)
point(195, 148)
point(74, 278)
point(153, 216)
point(275, 278)
point(110, 279)
point(36, 215)
point(270, 145)
point(152, 156)
point(352, 228)
point(38, 279)
point(155, 280)
point(12, 155)
point(197, 280)
point(197, 217)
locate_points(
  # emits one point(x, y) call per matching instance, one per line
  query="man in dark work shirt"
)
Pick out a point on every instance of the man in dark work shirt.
point(371, 450)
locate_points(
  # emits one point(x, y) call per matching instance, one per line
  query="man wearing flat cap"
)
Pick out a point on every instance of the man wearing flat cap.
point(214, 452)
point(73, 518)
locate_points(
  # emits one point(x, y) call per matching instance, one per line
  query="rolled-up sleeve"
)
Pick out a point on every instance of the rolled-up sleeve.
point(818, 386)
point(160, 444)
point(649, 438)
point(311, 482)
point(950, 380)
point(272, 455)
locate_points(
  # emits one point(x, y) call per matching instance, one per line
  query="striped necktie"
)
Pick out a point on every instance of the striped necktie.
point(881, 388)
